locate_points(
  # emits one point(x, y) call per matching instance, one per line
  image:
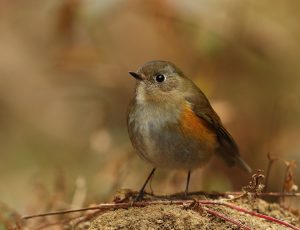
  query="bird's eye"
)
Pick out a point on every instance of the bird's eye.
point(160, 78)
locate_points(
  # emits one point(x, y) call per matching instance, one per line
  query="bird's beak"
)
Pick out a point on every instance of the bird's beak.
point(136, 76)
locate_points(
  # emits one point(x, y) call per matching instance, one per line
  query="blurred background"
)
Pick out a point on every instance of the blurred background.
point(64, 91)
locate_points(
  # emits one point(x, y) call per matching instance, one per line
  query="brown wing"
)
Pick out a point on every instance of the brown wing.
point(227, 149)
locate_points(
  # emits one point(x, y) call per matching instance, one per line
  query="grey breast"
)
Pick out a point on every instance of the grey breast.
point(158, 138)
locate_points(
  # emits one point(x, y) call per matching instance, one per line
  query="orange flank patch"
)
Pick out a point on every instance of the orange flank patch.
point(194, 126)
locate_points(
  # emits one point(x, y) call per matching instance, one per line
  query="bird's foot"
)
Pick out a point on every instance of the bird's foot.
point(139, 197)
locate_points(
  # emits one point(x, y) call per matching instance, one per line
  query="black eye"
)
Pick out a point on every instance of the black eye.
point(160, 78)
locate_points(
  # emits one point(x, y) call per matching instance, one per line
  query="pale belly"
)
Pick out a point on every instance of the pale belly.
point(164, 144)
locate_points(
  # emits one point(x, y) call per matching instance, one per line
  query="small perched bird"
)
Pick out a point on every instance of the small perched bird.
point(172, 125)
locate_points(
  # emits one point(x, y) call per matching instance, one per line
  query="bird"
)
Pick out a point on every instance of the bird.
point(172, 125)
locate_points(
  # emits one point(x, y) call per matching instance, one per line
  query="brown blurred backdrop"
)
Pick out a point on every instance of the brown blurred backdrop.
point(64, 89)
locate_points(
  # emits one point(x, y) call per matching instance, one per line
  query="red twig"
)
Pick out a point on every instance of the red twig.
point(230, 220)
point(266, 217)
point(220, 194)
point(60, 212)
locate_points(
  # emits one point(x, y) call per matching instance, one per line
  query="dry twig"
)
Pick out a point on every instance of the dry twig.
point(271, 159)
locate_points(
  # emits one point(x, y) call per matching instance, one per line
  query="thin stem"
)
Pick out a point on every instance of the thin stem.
point(226, 218)
point(266, 217)
point(62, 212)
point(271, 159)
point(220, 194)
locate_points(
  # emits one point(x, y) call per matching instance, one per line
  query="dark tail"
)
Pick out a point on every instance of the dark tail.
point(243, 165)
point(232, 160)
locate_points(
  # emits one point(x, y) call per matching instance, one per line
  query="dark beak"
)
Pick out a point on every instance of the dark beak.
point(136, 76)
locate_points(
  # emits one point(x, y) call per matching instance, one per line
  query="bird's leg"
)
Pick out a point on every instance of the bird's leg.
point(141, 192)
point(187, 183)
